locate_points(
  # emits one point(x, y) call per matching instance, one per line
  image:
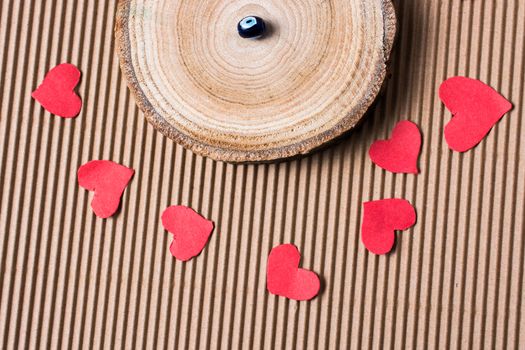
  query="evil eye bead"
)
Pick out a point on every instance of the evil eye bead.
point(251, 27)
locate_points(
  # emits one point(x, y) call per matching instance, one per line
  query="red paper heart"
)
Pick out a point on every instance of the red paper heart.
point(475, 107)
point(190, 231)
point(108, 180)
point(56, 93)
point(381, 218)
point(285, 278)
point(400, 153)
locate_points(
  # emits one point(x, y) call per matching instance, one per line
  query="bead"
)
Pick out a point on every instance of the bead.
point(251, 27)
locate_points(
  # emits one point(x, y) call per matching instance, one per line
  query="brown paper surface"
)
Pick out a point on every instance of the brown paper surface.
point(70, 279)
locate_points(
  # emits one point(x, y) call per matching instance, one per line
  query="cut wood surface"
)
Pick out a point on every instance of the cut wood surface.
point(309, 79)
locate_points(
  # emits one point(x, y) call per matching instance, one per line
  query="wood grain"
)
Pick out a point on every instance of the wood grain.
point(308, 80)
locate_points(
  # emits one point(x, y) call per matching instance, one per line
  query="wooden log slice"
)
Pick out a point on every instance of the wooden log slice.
point(308, 79)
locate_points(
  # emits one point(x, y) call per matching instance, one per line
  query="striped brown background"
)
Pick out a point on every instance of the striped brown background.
point(71, 280)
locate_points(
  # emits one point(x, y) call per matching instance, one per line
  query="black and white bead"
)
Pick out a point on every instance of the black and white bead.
point(251, 27)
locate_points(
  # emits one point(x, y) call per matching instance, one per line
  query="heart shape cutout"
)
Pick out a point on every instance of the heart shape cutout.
point(57, 92)
point(400, 153)
point(381, 218)
point(190, 231)
point(476, 108)
point(108, 180)
point(285, 278)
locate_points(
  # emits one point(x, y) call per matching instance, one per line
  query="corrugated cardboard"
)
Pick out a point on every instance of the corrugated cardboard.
point(70, 279)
